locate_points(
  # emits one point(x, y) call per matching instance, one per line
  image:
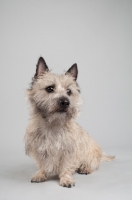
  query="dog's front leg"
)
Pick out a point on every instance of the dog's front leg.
point(66, 179)
point(65, 174)
point(40, 175)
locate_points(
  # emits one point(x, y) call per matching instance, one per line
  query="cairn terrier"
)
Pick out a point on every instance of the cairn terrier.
point(53, 138)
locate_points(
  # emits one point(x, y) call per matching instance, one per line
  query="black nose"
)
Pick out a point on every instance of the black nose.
point(64, 103)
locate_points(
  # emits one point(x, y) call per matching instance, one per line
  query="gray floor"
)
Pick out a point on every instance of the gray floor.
point(112, 180)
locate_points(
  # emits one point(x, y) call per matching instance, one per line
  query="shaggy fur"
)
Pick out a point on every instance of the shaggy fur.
point(53, 138)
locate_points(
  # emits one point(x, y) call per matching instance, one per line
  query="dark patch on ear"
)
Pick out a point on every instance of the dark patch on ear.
point(41, 67)
point(73, 71)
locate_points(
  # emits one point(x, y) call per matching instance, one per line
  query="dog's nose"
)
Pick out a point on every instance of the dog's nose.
point(64, 103)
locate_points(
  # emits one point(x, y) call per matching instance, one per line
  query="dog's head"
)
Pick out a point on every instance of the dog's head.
point(55, 96)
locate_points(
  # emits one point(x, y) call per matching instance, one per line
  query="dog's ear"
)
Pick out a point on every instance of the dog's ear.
point(41, 67)
point(73, 71)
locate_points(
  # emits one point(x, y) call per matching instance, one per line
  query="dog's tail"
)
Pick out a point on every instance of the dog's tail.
point(107, 158)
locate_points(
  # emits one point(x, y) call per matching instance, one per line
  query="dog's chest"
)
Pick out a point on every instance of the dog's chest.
point(54, 143)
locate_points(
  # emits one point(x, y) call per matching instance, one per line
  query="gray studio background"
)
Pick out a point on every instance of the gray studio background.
point(97, 35)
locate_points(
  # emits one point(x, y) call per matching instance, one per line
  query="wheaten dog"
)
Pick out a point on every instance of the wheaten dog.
point(53, 138)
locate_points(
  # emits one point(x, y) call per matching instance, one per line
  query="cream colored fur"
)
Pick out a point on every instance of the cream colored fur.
point(57, 143)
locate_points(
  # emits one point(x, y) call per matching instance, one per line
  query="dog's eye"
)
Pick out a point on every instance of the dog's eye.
point(69, 92)
point(50, 89)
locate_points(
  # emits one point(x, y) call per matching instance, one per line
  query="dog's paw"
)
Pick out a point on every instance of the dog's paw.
point(67, 183)
point(84, 170)
point(37, 178)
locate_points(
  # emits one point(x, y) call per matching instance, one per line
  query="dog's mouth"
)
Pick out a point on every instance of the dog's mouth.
point(62, 111)
point(59, 111)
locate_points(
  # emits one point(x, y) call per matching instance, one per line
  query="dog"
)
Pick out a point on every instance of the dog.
point(53, 138)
